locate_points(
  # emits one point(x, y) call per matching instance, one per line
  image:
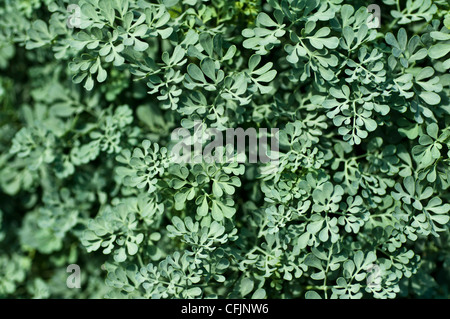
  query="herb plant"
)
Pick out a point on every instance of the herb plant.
point(356, 207)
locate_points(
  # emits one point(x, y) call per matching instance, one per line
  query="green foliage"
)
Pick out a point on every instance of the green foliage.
point(356, 207)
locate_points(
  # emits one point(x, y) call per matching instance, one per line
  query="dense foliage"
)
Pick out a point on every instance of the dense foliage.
point(357, 206)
